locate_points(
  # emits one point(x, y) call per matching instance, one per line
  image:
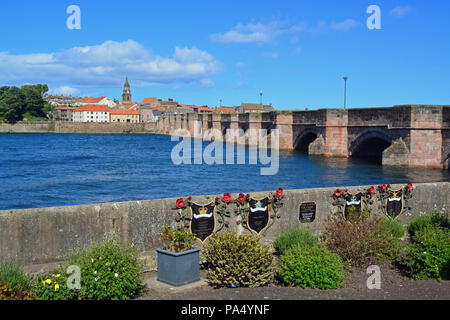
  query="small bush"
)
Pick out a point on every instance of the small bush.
point(109, 271)
point(395, 227)
point(362, 242)
point(7, 292)
point(238, 260)
point(178, 240)
point(433, 218)
point(53, 286)
point(293, 237)
point(313, 267)
point(15, 274)
point(428, 256)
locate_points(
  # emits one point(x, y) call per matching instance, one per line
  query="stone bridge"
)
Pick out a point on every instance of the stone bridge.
point(409, 135)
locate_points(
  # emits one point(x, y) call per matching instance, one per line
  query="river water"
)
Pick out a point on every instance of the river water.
point(43, 170)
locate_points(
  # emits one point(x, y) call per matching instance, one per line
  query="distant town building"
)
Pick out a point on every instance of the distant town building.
point(253, 107)
point(63, 113)
point(127, 116)
point(97, 101)
point(60, 100)
point(225, 110)
point(91, 113)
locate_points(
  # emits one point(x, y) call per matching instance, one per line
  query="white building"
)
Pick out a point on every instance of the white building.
point(98, 101)
point(91, 113)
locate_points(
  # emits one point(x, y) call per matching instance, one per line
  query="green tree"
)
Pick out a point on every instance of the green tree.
point(11, 104)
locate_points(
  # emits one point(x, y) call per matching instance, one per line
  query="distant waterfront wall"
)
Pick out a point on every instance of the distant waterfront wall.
point(46, 235)
point(76, 127)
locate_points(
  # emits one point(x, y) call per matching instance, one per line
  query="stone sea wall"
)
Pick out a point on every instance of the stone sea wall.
point(47, 235)
point(76, 127)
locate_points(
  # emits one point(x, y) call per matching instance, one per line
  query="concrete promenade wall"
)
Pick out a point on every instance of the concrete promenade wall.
point(76, 127)
point(47, 235)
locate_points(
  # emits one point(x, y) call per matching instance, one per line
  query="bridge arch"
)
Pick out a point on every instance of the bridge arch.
point(302, 141)
point(370, 145)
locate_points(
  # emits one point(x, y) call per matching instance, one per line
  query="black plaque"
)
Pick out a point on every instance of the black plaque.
point(307, 212)
point(394, 205)
point(258, 215)
point(353, 206)
point(203, 220)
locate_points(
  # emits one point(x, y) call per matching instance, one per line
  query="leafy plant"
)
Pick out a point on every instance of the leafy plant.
point(433, 218)
point(238, 260)
point(53, 286)
point(15, 274)
point(7, 292)
point(362, 242)
point(395, 227)
point(293, 237)
point(428, 256)
point(313, 267)
point(178, 240)
point(109, 271)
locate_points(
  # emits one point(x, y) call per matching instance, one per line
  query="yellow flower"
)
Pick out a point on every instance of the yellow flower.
point(43, 283)
point(48, 281)
point(56, 275)
point(56, 287)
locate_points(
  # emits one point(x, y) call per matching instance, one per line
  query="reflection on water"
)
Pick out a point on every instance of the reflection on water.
point(40, 170)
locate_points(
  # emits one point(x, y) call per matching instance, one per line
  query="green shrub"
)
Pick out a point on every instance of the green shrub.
point(362, 242)
point(7, 292)
point(433, 218)
point(313, 267)
point(178, 240)
point(428, 256)
point(293, 237)
point(53, 286)
point(395, 227)
point(15, 274)
point(238, 260)
point(109, 271)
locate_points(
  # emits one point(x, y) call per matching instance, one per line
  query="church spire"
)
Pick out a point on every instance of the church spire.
point(126, 95)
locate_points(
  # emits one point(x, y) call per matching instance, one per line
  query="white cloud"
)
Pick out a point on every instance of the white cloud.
point(345, 25)
point(272, 55)
point(400, 11)
point(106, 64)
point(64, 90)
point(256, 32)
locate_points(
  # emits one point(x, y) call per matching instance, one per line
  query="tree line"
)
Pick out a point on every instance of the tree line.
point(24, 102)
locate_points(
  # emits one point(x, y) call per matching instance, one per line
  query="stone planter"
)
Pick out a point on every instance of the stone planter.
point(180, 268)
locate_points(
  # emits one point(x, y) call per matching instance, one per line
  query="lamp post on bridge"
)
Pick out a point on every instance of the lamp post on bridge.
point(260, 99)
point(345, 91)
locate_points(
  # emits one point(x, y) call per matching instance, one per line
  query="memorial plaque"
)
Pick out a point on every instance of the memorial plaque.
point(203, 221)
point(307, 212)
point(353, 206)
point(394, 205)
point(258, 216)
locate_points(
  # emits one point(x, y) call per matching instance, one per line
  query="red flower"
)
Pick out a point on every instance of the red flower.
point(248, 196)
point(180, 203)
point(346, 190)
point(279, 192)
point(226, 197)
point(217, 199)
point(372, 190)
point(189, 198)
point(409, 186)
point(337, 193)
point(383, 187)
point(241, 198)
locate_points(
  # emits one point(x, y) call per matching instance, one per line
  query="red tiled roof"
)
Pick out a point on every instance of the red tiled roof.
point(90, 100)
point(159, 109)
point(92, 107)
point(188, 106)
point(205, 109)
point(225, 110)
point(147, 100)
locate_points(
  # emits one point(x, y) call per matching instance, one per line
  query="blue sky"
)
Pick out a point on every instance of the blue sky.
point(198, 52)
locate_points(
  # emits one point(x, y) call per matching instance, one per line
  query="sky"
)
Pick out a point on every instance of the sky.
point(226, 52)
